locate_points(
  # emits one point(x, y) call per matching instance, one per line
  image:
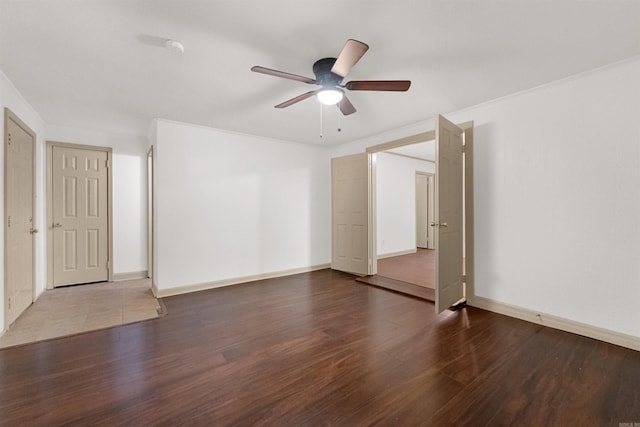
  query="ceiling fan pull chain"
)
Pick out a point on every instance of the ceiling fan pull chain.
point(338, 115)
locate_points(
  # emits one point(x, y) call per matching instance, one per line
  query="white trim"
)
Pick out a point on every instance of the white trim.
point(131, 275)
point(161, 293)
point(612, 337)
point(392, 254)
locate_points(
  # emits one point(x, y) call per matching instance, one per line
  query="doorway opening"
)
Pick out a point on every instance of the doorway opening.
point(453, 214)
point(405, 239)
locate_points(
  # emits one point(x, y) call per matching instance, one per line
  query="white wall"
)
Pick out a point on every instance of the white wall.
point(129, 171)
point(557, 171)
point(396, 202)
point(11, 98)
point(232, 206)
point(557, 199)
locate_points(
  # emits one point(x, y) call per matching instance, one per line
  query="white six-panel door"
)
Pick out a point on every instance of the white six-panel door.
point(449, 216)
point(350, 213)
point(80, 216)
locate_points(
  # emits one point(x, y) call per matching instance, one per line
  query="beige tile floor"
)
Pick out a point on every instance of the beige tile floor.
point(74, 309)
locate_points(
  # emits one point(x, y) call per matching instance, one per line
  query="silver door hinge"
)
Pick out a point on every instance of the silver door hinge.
point(9, 221)
point(464, 148)
point(464, 278)
point(9, 302)
point(107, 163)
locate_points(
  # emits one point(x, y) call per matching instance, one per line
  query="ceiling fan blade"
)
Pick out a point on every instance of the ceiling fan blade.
point(386, 85)
point(282, 74)
point(350, 54)
point(296, 99)
point(346, 106)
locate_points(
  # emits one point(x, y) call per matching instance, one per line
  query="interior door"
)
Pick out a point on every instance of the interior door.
point(20, 231)
point(350, 214)
point(422, 210)
point(449, 216)
point(80, 216)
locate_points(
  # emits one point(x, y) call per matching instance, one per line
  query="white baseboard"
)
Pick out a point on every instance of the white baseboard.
point(161, 293)
point(617, 338)
point(392, 254)
point(133, 275)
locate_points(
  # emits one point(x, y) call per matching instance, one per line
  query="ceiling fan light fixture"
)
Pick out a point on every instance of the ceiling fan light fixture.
point(330, 96)
point(329, 73)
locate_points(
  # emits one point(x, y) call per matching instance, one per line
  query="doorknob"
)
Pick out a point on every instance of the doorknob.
point(33, 231)
point(57, 225)
point(438, 224)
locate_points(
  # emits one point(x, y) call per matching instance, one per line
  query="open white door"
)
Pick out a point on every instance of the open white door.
point(19, 229)
point(350, 214)
point(449, 217)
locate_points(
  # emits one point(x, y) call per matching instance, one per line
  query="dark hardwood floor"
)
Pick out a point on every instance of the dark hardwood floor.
point(319, 349)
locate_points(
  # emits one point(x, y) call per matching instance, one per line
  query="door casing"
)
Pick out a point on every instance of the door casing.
point(49, 173)
point(150, 209)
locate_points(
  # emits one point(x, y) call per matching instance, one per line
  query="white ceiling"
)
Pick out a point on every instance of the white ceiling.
point(99, 64)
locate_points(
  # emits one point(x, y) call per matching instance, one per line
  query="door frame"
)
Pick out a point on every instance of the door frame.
point(49, 173)
point(11, 116)
point(468, 232)
point(150, 210)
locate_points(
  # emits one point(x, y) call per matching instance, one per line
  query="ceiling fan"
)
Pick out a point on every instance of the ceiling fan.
point(329, 74)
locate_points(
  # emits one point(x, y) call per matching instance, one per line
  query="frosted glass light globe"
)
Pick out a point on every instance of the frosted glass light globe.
point(330, 96)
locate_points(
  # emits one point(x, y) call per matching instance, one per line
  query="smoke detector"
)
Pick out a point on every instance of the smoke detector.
point(174, 46)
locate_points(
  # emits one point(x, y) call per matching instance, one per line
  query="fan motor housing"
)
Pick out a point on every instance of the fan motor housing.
point(322, 71)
